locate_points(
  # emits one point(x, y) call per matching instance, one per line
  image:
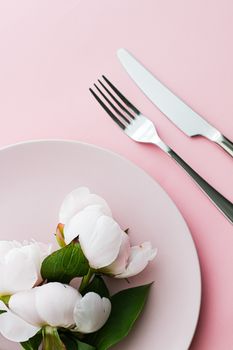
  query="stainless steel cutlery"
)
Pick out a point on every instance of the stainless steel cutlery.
point(173, 107)
point(141, 129)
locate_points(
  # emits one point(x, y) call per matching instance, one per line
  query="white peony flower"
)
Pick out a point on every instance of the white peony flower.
point(20, 265)
point(103, 242)
point(53, 304)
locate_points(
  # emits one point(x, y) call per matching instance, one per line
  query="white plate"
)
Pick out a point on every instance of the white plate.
point(34, 178)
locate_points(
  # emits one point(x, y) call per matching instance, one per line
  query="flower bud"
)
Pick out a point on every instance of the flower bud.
point(60, 235)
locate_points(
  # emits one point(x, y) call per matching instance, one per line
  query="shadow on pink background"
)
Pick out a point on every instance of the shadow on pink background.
point(52, 51)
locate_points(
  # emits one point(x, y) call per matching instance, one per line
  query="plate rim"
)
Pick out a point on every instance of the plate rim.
point(132, 164)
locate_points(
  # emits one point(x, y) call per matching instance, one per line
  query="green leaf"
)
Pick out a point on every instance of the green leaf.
point(2, 311)
point(65, 264)
point(33, 343)
point(72, 343)
point(98, 286)
point(84, 346)
point(126, 308)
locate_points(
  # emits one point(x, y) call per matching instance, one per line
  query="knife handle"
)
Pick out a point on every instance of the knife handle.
point(226, 144)
point(223, 204)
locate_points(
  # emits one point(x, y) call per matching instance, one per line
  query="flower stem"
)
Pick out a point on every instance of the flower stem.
point(51, 339)
point(86, 280)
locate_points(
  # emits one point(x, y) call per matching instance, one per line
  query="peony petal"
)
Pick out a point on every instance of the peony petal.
point(118, 266)
point(19, 272)
point(3, 306)
point(6, 246)
point(102, 246)
point(37, 252)
point(23, 304)
point(94, 199)
point(2, 284)
point(82, 223)
point(55, 304)
point(91, 313)
point(71, 203)
point(14, 328)
point(138, 260)
point(77, 200)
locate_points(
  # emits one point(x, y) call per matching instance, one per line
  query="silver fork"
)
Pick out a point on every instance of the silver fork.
point(141, 129)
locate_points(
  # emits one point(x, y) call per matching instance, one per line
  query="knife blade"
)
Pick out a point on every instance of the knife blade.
point(190, 122)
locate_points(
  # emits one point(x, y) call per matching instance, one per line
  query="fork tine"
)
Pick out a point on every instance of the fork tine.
point(126, 101)
point(112, 105)
point(116, 100)
point(111, 114)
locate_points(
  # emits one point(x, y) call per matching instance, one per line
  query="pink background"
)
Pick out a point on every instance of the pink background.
point(51, 51)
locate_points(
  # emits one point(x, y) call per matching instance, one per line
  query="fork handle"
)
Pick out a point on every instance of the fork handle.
point(223, 204)
point(226, 144)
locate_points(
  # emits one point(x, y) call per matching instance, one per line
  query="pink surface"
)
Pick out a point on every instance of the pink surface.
point(31, 180)
point(51, 51)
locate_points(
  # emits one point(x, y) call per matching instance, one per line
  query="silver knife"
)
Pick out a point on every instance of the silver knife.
point(173, 107)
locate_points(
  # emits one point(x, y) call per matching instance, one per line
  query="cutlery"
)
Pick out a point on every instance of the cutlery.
point(141, 129)
point(174, 108)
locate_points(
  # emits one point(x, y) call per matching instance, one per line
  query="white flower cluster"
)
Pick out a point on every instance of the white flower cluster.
point(27, 303)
